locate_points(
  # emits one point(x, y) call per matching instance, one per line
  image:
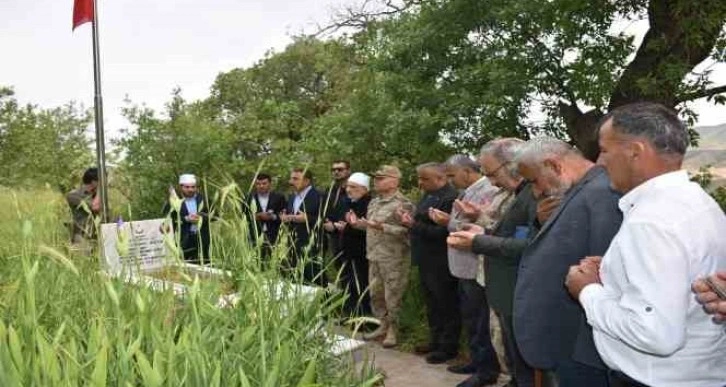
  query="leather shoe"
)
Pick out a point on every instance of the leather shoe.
point(438, 357)
point(462, 368)
point(477, 381)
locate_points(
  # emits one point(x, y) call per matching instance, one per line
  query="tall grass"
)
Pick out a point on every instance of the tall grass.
point(64, 323)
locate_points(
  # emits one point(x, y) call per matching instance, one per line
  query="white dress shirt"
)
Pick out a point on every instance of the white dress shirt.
point(264, 199)
point(299, 199)
point(646, 321)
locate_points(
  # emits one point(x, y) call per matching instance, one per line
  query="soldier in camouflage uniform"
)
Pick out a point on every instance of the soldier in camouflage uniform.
point(388, 253)
point(84, 203)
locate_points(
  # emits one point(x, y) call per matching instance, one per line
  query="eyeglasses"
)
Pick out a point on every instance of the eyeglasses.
point(337, 169)
point(495, 171)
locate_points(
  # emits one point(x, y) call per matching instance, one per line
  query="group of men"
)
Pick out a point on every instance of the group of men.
point(599, 274)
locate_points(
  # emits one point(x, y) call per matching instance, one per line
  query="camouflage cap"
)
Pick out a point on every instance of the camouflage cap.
point(388, 170)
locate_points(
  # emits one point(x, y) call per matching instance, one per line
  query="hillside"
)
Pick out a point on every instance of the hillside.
point(710, 151)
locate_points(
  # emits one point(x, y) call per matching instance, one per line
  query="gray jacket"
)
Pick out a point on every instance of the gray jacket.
point(549, 325)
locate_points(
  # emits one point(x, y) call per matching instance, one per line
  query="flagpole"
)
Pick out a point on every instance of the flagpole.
point(98, 107)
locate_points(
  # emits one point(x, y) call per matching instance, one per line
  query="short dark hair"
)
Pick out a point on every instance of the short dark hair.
point(341, 161)
point(307, 174)
point(90, 175)
point(263, 176)
point(655, 122)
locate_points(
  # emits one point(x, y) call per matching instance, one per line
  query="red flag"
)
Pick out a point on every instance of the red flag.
point(82, 12)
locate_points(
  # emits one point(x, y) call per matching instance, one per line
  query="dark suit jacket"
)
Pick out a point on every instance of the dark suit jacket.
point(308, 233)
point(428, 239)
point(549, 325)
point(187, 238)
point(503, 251)
point(275, 205)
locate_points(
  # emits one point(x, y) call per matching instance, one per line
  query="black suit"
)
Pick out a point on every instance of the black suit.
point(307, 236)
point(503, 250)
point(189, 237)
point(276, 204)
point(550, 327)
point(440, 289)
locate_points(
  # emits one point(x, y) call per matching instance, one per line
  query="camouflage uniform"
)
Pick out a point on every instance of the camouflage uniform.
point(388, 251)
point(82, 227)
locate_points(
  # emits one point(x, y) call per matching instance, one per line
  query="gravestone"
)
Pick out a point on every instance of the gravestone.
point(136, 246)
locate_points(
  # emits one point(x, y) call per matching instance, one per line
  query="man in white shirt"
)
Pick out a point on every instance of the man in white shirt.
point(648, 326)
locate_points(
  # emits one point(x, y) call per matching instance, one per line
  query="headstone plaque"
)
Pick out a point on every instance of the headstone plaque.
point(134, 246)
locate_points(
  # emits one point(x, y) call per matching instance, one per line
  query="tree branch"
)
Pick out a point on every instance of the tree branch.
point(359, 17)
point(702, 93)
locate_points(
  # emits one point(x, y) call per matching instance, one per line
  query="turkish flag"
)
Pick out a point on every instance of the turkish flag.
point(82, 12)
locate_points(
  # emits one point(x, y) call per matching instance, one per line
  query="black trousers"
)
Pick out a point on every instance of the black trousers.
point(441, 295)
point(354, 279)
point(190, 246)
point(475, 319)
point(523, 374)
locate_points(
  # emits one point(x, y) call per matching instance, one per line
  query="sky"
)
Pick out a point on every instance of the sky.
point(150, 47)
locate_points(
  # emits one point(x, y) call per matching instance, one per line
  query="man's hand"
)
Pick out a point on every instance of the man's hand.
point(406, 218)
point(263, 216)
point(546, 207)
point(580, 276)
point(592, 261)
point(470, 210)
point(461, 240)
point(340, 226)
point(193, 218)
point(96, 203)
point(439, 217)
point(300, 217)
point(328, 226)
point(710, 300)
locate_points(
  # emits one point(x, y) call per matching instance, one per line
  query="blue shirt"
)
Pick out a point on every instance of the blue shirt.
point(191, 204)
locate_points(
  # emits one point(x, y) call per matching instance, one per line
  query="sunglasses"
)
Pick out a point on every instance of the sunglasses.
point(337, 169)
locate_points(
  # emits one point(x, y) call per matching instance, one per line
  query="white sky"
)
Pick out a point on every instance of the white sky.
point(150, 47)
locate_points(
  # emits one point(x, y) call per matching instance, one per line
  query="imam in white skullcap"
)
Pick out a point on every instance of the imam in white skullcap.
point(187, 179)
point(360, 179)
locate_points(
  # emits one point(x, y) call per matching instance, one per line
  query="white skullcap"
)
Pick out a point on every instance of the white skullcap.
point(360, 179)
point(187, 179)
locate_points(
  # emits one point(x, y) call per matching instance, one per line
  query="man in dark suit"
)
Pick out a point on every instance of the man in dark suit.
point(191, 219)
point(302, 215)
point(335, 200)
point(550, 327)
point(429, 251)
point(264, 207)
point(502, 247)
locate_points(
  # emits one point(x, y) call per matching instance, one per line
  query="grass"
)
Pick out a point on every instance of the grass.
point(63, 323)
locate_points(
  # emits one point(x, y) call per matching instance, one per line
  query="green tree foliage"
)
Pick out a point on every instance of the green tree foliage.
point(42, 146)
point(157, 149)
point(488, 65)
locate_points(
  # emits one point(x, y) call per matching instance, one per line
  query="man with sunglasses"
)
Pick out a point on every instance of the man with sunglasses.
point(336, 200)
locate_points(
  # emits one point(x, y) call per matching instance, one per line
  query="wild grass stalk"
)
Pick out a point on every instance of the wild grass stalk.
point(64, 323)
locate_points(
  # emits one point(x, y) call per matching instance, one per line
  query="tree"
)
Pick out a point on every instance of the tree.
point(498, 61)
point(42, 146)
point(156, 150)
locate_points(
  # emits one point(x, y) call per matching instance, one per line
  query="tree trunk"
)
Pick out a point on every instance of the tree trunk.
point(682, 34)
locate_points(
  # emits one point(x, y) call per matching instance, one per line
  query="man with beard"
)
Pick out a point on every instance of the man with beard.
point(335, 200)
point(549, 326)
point(191, 220)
